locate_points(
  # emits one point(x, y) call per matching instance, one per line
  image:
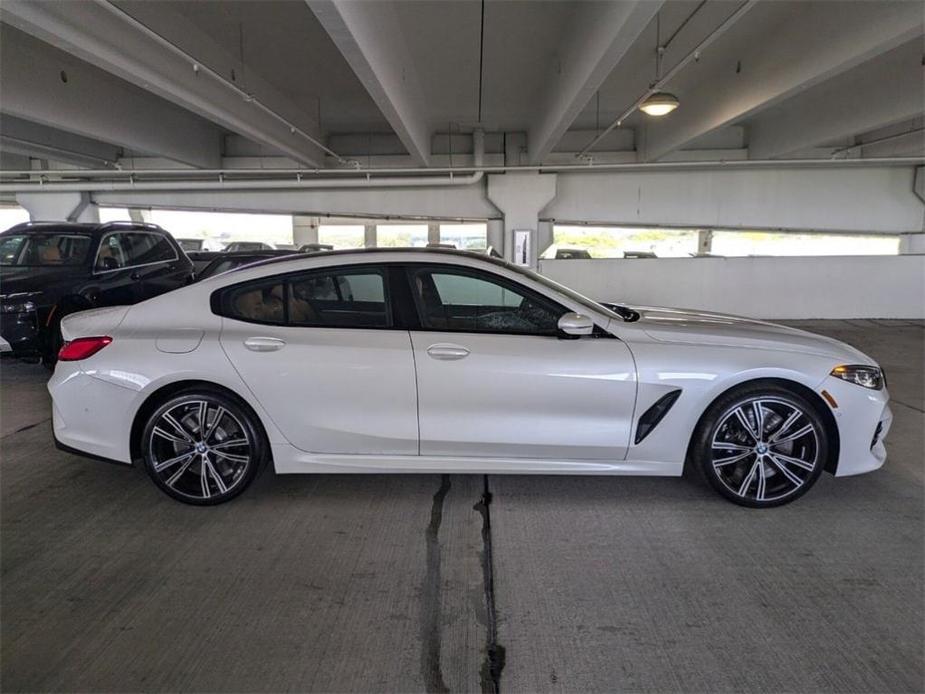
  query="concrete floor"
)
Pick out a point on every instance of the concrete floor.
point(378, 583)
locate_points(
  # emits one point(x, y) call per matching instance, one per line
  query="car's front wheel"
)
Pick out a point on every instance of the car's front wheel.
point(202, 447)
point(761, 445)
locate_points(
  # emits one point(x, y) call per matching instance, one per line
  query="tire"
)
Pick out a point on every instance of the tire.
point(761, 465)
point(203, 447)
point(53, 343)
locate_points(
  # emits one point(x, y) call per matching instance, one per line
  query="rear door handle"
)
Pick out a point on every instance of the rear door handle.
point(264, 344)
point(447, 352)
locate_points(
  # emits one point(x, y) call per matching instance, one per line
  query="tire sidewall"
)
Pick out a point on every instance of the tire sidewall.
point(703, 438)
point(259, 446)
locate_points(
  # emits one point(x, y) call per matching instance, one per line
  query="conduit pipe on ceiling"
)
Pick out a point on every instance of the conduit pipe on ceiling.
point(451, 177)
point(672, 73)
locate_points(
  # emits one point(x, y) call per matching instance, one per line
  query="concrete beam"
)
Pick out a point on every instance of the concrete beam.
point(370, 38)
point(601, 35)
point(59, 207)
point(45, 85)
point(810, 44)
point(883, 91)
point(30, 139)
point(866, 200)
point(102, 34)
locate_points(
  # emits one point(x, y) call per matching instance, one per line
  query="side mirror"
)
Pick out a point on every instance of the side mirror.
point(576, 324)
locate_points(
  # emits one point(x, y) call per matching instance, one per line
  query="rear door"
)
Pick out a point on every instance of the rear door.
point(155, 263)
point(325, 357)
point(113, 273)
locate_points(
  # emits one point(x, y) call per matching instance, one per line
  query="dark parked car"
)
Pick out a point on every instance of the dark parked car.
point(248, 246)
point(223, 262)
point(51, 269)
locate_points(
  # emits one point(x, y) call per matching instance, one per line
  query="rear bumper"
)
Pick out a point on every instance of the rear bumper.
point(98, 421)
point(83, 454)
point(863, 417)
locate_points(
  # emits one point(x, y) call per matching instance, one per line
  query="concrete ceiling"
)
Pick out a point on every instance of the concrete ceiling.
point(291, 77)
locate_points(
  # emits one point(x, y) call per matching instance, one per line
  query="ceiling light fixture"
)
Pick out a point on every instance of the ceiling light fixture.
point(659, 104)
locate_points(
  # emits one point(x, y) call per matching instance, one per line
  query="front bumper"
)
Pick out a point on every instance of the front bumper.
point(863, 418)
point(19, 334)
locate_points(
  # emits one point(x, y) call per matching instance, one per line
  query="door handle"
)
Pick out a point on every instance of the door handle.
point(264, 344)
point(446, 352)
point(136, 275)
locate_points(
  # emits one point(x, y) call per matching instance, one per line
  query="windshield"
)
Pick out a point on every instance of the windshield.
point(562, 289)
point(50, 249)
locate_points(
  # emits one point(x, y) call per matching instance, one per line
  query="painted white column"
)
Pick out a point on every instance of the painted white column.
point(521, 197)
point(59, 207)
point(433, 233)
point(912, 243)
point(369, 235)
point(139, 215)
point(304, 230)
point(494, 234)
point(704, 241)
point(544, 237)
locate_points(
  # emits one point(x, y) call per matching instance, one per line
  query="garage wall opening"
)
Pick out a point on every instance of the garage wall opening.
point(572, 241)
point(215, 229)
point(11, 215)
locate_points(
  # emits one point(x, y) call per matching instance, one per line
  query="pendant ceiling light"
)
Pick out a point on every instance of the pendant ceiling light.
point(659, 104)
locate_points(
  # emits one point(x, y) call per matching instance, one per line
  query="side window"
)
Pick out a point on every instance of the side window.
point(344, 298)
point(257, 303)
point(465, 301)
point(146, 248)
point(126, 249)
point(111, 255)
point(335, 298)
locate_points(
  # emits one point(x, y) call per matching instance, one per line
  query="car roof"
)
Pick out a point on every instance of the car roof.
point(429, 253)
point(92, 228)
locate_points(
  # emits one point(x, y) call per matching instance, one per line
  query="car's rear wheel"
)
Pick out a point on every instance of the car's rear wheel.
point(203, 447)
point(761, 445)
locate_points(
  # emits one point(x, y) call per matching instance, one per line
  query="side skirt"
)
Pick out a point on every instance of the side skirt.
point(290, 460)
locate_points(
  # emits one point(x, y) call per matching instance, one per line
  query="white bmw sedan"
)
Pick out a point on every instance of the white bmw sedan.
point(443, 361)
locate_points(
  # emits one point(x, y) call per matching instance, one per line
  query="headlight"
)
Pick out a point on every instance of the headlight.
point(865, 376)
point(18, 303)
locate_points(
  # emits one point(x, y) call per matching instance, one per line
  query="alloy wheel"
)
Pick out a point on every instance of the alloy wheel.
point(200, 450)
point(765, 449)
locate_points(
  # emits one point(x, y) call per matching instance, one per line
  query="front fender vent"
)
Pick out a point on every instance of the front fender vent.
point(651, 417)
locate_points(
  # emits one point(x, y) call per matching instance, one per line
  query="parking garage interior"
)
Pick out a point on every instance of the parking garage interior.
point(785, 182)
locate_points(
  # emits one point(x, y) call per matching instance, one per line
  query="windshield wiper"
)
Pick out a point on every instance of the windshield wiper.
point(625, 312)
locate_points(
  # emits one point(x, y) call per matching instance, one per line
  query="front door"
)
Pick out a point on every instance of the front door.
point(319, 352)
point(496, 380)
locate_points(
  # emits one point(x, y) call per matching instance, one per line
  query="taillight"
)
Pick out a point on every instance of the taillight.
point(82, 347)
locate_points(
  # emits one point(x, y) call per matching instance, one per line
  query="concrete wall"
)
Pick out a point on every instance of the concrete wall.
point(876, 199)
point(804, 287)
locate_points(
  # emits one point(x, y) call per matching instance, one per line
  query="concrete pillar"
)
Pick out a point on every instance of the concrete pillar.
point(304, 230)
point(59, 207)
point(912, 243)
point(704, 241)
point(369, 235)
point(136, 214)
point(433, 233)
point(521, 197)
point(494, 234)
point(544, 237)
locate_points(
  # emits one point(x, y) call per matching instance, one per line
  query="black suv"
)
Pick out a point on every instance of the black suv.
point(51, 269)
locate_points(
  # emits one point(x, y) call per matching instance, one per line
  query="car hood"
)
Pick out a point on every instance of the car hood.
point(15, 280)
point(706, 328)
